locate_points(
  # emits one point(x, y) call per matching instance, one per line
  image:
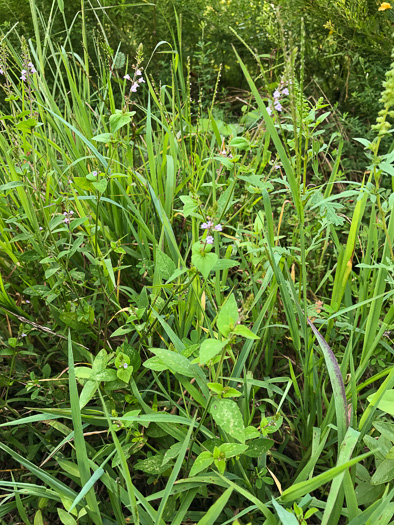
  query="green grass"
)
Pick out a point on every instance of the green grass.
point(151, 377)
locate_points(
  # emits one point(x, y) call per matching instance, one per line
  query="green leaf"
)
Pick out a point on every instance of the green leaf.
point(11, 185)
point(217, 388)
point(228, 316)
point(240, 143)
point(103, 137)
point(386, 404)
point(100, 362)
point(243, 331)
point(119, 119)
point(100, 185)
point(176, 362)
point(214, 512)
point(66, 518)
point(124, 374)
point(228, 416)
point(88, 392)
point(164, 264)
point(210, 348)
point(258, 447)
point(286, 517)
point(232, 449)
point(204, 262)
point(203, 461)
point(384, 473)
point(60, 3)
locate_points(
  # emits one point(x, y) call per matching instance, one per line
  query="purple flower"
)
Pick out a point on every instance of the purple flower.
point(276, 167)
point(127, 77)
point(23, 75)
point(276, 94)
point(269, 111)
point(94, 173)
point(125, 365)
point(278, 106)
point(209, 239)
point(40, 228)
point(134, 87)
point(33, 70)
point(285, 92)
point(204, 226)
point(218, 228)
point(65, 213)
point(27, 301)
point(1, 71)
point(210, 224)
point(141, 80)
point(71, 212)
point(66, 220)
point(138, 72)
point(23, 335)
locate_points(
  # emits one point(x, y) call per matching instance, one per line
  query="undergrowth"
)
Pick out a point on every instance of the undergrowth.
point(197, 314)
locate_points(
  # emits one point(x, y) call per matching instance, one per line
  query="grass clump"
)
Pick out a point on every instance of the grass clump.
point(197, 313)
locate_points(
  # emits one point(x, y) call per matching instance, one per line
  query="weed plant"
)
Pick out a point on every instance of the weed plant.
point(197, 314)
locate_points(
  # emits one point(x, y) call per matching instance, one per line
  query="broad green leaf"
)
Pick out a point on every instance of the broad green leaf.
point(88, 392)
point(228, 316)
point(243, 331)
point(100, 362)
point(164, 264)
point(210, 348)
point(100, 185)
point(386, 404)
point(103, 137)
point(232, 449)
point(228, 416)
point(240, 143)
point(66, 518)
point(119, 119)
point(286, 517)
point(384, 473)
point(204, 262)
point(203, 461)
point(176, 362)
point(258, 447)
point(124, 374)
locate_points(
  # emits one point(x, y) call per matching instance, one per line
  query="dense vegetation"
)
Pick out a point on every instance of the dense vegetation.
point(197, 267)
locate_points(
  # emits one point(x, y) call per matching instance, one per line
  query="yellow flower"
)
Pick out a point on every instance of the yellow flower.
point(384, 6)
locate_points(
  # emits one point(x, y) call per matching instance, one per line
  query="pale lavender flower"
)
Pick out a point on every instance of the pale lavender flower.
point(33, 70)
point(138, 72)
point(269, 111)
point(209, 239)
point(210, 224)
point(218, 228)
point(204, 226)
point(66, 220)
point(27, 301)
point(278, 106)
point(23, 75)
point(134, 87)
point(23, 335)
point(285, 92)
point(125, 365)
point(276, 167)
point(1, 71)
point(127, 77)
point(65, 213)
point(141, 80)
point(276, 94)
point(40, 228)
point(71, 212)
point(94, 173)
point(224, 152)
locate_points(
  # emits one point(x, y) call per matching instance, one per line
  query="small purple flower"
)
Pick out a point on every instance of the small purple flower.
point(127, 77)
point(23, 75)
point(71, 212)
point(23, 335)
point(209, 239)
point(138, 72)
point(218, 228)
point(276, 167)
point(94, 173)
point(204, 226)
point(285, 92)
point(65, 213)
point(1, 71)
point(224, 152)
point(27, 301)
point(125, 365)
point(269, 111)
point(278, 106)
point(134, 87)
point(141, 80)
point(276, 94)
point(66, 220)
point(40, 228)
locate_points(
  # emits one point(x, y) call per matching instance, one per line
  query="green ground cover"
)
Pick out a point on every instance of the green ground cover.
point(196, 288)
